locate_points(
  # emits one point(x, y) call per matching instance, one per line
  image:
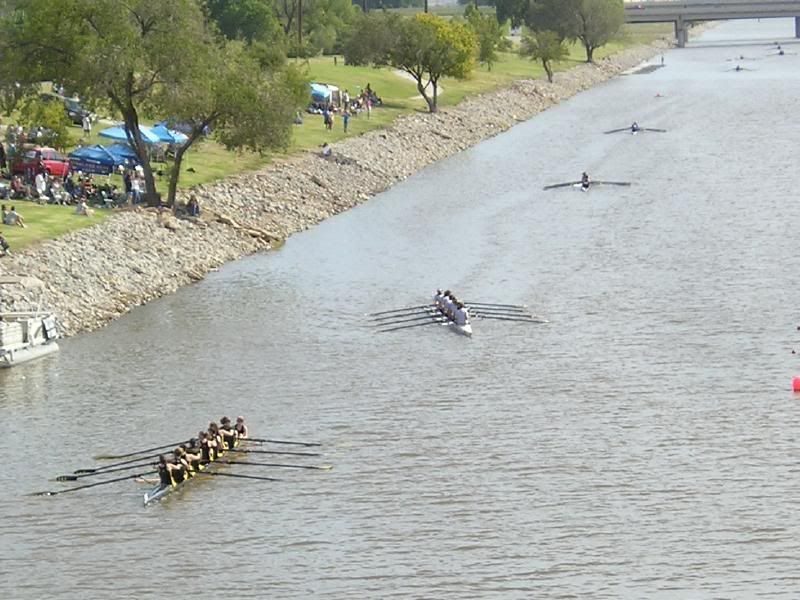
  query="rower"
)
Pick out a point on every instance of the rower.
point(461, 315)
point(193, 455)
point(241, 427)
point(204, 446)
point(228, 432)
point(438, 298)
point(634, 127)
point(169, 473)
point(585, 181)
point(182, 462)
point(215, 441)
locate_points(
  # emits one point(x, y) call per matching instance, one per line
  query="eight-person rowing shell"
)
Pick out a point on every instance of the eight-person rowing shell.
point(451, 307)
point(584, 183)
point(208, 446)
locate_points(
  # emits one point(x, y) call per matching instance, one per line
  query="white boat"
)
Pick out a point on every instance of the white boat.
point(465, 329)
point(26, 335)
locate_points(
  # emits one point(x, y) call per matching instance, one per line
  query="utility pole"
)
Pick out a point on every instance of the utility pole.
point(299, 26)
point(426, 5)
point(365, 6)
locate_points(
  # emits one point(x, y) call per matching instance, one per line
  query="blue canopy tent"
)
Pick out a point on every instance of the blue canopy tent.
point(123, 154)
point(92, 159)
point(169, 136)
point(320, 92)
point(118, 133)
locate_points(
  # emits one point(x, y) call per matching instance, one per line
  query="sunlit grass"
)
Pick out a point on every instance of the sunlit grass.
point(46, 222)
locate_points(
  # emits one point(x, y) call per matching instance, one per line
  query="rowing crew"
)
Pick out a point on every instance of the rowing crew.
point(585, 181)
point(451, 307)
point(207, 447)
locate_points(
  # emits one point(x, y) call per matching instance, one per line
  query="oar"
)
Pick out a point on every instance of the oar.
point(115, 456)
point(274, 452)
point(112, 465)
point(617, 130)
point(90, 485)
point(622, 183)
point(560, 185)
point(397, 310)
point(656, 130)
point(258, 464)
point(403, 316)
point(218, 474)
point(282, 442)
point(499, 311)
point(517, 306)
point(436, 322)
point(103, 472)
point(420, 318)
point(524, 320)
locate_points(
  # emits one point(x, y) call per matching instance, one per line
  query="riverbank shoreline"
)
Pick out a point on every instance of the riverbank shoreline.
point(94, 275)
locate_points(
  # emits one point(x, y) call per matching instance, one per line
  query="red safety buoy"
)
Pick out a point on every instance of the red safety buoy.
point(796, 384)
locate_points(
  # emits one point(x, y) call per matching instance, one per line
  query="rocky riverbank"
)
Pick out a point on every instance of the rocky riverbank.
point(96, 274)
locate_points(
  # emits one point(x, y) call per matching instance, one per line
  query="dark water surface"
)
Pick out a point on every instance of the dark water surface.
point(641, 445)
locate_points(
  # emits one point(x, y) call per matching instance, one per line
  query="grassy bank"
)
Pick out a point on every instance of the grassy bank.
point(209, 161)
point(45, 222)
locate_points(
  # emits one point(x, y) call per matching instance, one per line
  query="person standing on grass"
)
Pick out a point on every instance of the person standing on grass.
point(345, 119)
point(87, 126)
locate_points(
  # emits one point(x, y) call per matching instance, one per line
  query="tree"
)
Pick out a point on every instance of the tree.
point(545, 46)
point(248, 20)
point(511, 10)
point(593, 22)
point(491, 35)
point(107, 49)
point(50, 116)
point(425, 46)
point(598, 22)
point(248, 107)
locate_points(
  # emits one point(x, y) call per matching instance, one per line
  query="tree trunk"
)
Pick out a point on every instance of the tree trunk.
point(435, 83)
point(174, 176)
point(548, 69)
point(131, 119)
point(589, 52)
point(421, 89)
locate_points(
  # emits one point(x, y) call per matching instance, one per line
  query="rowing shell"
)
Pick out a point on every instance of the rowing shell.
point(161, 491)
point(465, 329)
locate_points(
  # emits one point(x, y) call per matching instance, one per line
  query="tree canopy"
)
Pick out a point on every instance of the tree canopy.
point(593, 22)
point(425, 46)
point(152, 59)
point(490, 34)
point(546, 46)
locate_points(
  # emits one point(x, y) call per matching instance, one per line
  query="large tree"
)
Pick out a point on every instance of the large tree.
point(118, 50)
point(425, 46)
point(248, 20)
point(246, 106)
point(491, 35)
point(593, 22)
point(545, 46)
point(514, 11)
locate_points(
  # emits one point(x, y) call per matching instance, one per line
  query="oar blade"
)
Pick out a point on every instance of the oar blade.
point(67, 478)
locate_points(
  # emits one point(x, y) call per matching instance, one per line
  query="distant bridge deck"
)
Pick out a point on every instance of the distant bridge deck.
point(685, 12)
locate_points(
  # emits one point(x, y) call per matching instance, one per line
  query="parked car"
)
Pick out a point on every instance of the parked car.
point(74, 109)
point(55, 163)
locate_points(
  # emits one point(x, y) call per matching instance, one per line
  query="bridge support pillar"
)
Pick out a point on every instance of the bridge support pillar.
point(681, 32)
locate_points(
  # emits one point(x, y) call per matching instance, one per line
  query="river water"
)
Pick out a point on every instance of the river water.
point(641, 445)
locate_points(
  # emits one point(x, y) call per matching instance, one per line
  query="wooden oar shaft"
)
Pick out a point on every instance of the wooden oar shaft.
point(91, 485)
point(105, 468)
point(432, 322)
point(282, 452)
point(521, 306)
point(397, 310)
point(416, 311)
point(218, 474)
point(395, 322)
point(115, 456)
point(263, 441)
point(260, 464)
point(103, 472)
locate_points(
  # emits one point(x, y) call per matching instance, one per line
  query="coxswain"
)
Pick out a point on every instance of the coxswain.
point(738, 68)
point(241, 427)
point(228, 432)
point(585, 181)
point(634, 127)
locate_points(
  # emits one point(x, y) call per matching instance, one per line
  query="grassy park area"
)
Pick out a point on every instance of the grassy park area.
point(208, 161)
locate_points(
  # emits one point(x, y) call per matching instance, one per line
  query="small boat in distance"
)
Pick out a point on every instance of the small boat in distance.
point(26, 335)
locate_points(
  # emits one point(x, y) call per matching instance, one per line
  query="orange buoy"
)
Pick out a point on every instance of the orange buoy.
point(796, 384)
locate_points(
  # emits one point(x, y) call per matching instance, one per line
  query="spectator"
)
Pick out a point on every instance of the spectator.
point(326, 117)
point(12, 217)
point(346, 100)
point(83, 209)
point(136, 189)
point(193, 206)
point(3, 162)
point(326, 150)
point(345, 119)
point(18, 189)
point(4, 247)
point(87, 126)
point(5, 214)
point(40, 184)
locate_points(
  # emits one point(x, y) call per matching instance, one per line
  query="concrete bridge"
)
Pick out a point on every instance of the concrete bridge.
point(685, 12)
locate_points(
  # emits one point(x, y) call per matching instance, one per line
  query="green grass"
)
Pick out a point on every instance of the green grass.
point(211, 161)
point(46, 222)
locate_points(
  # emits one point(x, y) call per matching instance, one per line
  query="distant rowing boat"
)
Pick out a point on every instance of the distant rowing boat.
point(579, 184)
point(161, 491)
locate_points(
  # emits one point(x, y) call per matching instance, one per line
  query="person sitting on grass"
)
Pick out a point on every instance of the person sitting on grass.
point(193, 206)
point(326, 150)
point(14, 218)
point(18, 189)
point(83, 209)
point(4, 247)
